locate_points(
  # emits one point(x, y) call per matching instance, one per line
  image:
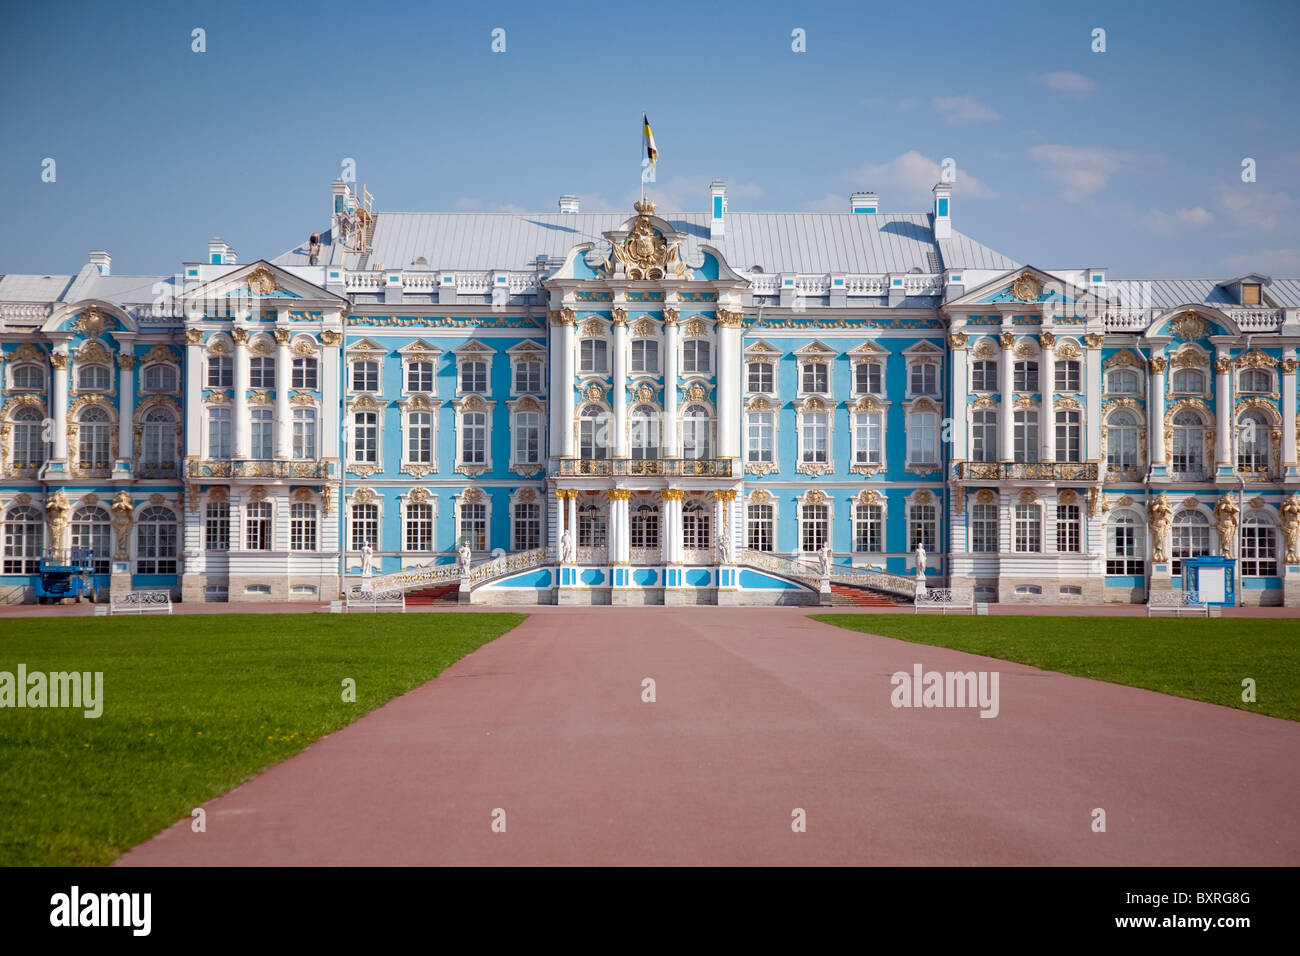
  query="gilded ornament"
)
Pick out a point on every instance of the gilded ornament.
point(1026, 288)
point(262, 281)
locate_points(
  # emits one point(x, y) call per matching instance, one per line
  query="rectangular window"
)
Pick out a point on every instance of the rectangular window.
point(760, 377)
point(419, 438)
point(365, 376)
point(261, 372)
point(923, 438)
point(592, 355)
point(1067, 376)
point(473, 444)
point(216, 526)
point(868, 434)
point(1124, 547)
point(984, 436)
point(365, 526)
point(302, 527)
point(697, 526)
point(868, 529)
point(365, 437)
point(528, 377)
point(419, 377)
point(758, 446)
point(814, 527)
point(219, 433)
point(1028, 529)
point(419, 527)
point(645, 527)
point(866, 378)
point(984, 528)
point(984, 376)
point(1258, 550)
point(814, 435)
point(304, 373)
point(1069, 526)
point(528, 526)
point(304, 433)
point(760, 534)
point(1025, 436)
point(816, 377)
point(263, 437)
point(1025, 376)
point(221, 371)
point(925, 378)
point(1069, 436)
point(695, 355)
point(257, 526)
point(528, 438)
point(473, 526)
point(645, 355)
point(923, 527)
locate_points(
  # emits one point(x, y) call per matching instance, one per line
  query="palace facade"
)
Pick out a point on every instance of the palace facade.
point(647, 408)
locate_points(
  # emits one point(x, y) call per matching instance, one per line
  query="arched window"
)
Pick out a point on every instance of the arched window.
point(219, 432)
point(697, 433)
point(1258, 547)
point(1255, 380)
point(1123, 381)
point(1191, 538)
point(93, 447)
point(28, 378)
point(92, 530)
point(1069, 435)
point(984, 435)
point(302, 526)
point(24, 533)
point(304, 433)
point(644, 433)
point(160, 378)
point(645, 526)
point(1122, 440)
point(155, 542)
point(1188, 459)
point(1187, 381)
point(159, 439)
point(93, 378)
point(419, 527)
point(593, 432)
point(697, 527)
point(28, 448)
point(1125, 545)
point(1252, 442)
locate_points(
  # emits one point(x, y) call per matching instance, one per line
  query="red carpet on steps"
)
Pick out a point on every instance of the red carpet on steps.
point(442, 594)
point(859, 597)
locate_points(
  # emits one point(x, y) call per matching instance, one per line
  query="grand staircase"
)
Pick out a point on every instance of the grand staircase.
point(444, 594)
point(843, 595)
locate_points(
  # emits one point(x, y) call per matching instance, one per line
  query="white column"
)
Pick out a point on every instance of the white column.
point(194, 423)
point(60, 401)
point(565, 385)
point(283, 379)
point(1223, 410)
point(1047, 386)
point(670, 524)
point(572, 506)
point(126, 388)
point(330, 371)
point(729, 326)
point(242, 426)
point(1156, 403)
point(620, 383)
point(669, 443)
point(1007, 411)
point(1288, 409)
point(960, 389)
point(1092, 385)
point(612, 546)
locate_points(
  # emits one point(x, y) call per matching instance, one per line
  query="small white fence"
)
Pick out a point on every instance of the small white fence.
point(375, 600)
point(1175, 603)
point(941, 599)
point(141, 602)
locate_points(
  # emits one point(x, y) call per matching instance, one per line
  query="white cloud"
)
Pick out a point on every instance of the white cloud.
point(964, 109)
point(685, 193)
point(907, 179)
point(1157, 220)
point(1248, 206)
point(1067, 82)
point(1267, 261)
point(831, 202)
point(1083, 170)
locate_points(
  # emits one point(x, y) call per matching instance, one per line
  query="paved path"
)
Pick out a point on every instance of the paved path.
point(759, 711)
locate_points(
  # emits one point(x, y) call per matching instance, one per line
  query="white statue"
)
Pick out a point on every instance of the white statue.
point(826, 560)
point(367, 560)
point(726, 553)
point(567, 554)
point(920, 561)
point(465, 555)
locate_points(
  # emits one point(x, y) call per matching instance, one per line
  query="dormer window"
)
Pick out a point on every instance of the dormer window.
point(1250, 293)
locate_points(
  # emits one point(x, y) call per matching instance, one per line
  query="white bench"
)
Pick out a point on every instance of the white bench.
point(942, 599)
point(141, 602)
point(1176, 602)
point(374, 600)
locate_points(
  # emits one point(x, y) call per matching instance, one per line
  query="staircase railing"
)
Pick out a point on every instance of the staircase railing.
point(429, 575)
point(810, 570)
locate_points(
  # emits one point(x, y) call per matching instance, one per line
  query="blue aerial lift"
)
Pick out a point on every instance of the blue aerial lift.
point(66, 573)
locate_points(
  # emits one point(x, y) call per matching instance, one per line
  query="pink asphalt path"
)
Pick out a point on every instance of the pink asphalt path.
point(758, 712)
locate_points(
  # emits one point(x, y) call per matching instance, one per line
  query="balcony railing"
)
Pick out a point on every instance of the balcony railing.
point(649, 467)
point(1031, 471)
point(258, 468)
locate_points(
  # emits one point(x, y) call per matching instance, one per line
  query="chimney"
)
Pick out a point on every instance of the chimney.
point(1095, 280)
point(569, 205)
point(718, 209)
point(220, 253)
point(102, 261)
point(942, 210)
point(864, 203)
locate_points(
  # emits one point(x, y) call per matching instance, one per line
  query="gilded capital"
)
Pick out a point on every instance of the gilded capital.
point(330, 337)
point(671, 494)
point(1223, 366)
point(619, 317)
point(565, 316)
point(193, 336)
point(957, 340)
point(725, 494)
point(1094, 340)
point(240, 335)
point(1157, 366)
point(1289, 366)
point(282, 336)
point(670, 316)
point(1046, 340)
point(126, 362)
point(730, 320)
point(1007, 339)
point(619, 494)
point(59, 360)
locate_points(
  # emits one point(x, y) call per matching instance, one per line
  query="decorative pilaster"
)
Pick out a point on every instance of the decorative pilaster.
point(1156, 403)
point(1290, 467)
point(1223, 463)
point(242, 425)
point(669, 442)
point(957, 343)
point(1093, 388)
point(126, 431)
point(1006, 436)
point(562, 383)
point(193, 393)
point(1047, 385)
point(729, 326)
point(59, 361)
point(620, 383)
point(283, 372)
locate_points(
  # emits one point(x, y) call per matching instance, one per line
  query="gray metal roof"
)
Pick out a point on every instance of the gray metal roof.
point(1171, 293)
point(775, 242)
point(28, 288)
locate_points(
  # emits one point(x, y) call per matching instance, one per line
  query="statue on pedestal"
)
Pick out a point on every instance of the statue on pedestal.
point(567, 553)
point(464, 556)
point(826, 560)
point(367, 560)
point(726, 552)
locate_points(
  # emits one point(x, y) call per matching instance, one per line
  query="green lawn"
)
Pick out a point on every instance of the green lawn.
point(1197, 658)
point(193, 706)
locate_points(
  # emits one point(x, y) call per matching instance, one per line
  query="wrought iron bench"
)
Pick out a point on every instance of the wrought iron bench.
point(141, 602)
point(374, 600)
point(1176, 602)
point(941, 599)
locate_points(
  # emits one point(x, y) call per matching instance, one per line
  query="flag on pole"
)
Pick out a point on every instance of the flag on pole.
point(648, 141)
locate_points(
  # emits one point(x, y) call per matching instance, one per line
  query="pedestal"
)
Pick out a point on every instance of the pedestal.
point(1291, 585)
point(566, 591)
point(119, 580)
point(824, 595)
point(674, 594)
point(729, 593)
point(464, 594)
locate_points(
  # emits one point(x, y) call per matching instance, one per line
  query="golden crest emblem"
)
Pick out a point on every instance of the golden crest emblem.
point(261, 281)
point(644, 253)
point(1026, 288)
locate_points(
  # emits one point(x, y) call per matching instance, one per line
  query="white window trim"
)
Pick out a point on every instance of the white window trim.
point(529, 403)
point(815, 469)
point(404, 501)
point(364, 402)
point(868, 405)
point(820, 499)
point(473, 403)
point(419, 402)
point(363, 351)
point(930, 405)
point(527, 351)
point(418, 351)
point(924, 353)
point(761, 403)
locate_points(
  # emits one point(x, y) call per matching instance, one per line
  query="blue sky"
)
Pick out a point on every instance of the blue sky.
point(1129, 159)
